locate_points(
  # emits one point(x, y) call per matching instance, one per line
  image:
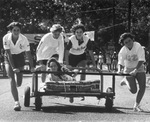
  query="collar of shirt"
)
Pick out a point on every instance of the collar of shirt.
point(10, 38)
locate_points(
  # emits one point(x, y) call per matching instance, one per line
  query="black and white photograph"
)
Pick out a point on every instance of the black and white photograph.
point(74, 60)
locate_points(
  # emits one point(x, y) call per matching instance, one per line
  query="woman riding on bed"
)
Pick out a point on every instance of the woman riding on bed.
point(63, 75)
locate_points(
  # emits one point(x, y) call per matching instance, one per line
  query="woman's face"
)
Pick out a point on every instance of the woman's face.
point(15, 31)
point(56, 34)
point(128, 42)
point(53, 66)
point(79, 33)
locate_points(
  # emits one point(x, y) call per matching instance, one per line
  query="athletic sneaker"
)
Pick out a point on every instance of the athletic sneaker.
point(17, 107)
point(123, 83)
point(137, 109)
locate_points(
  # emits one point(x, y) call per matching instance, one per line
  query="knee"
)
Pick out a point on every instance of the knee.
point(19, 84)
point(142, 89)
point(13, 84)
point(133, 91)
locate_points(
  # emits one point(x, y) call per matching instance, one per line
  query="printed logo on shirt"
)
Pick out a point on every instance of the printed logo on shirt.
point(5, 43)
point(79, 49)
point(132, 57)
point(21, 47)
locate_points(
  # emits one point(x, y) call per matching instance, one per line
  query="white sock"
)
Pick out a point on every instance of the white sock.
point(136, 105)
point(17, 102)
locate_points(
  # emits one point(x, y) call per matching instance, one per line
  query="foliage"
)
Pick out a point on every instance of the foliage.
point(37, 16)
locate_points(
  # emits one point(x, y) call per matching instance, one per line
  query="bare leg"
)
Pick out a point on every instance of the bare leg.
point(82, 64)
point(14, 90)
point(19, 78)
point(141, 78)
point(131, 83)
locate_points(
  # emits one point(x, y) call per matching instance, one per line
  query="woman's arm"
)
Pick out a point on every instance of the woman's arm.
point(139, 64)
point(28, 53)
point(61, 50)
point(90, 49)
point(41, 45)
point(120, 68)
point(68, 46)
point(10, 58)
point(66, 57)
point(92, 57)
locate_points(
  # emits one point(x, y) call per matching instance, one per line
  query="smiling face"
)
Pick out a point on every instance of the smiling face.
point(15, 31)
point(128, 42)
point(53, 66)
point(79, 33)
point(56, 34)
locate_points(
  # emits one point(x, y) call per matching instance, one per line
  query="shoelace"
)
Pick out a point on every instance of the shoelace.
point(123, 83)
point(137, 109)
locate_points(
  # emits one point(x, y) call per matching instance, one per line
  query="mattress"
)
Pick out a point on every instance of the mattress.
point(72, 86)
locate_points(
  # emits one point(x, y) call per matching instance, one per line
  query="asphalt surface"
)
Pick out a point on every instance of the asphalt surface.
point(59, 109)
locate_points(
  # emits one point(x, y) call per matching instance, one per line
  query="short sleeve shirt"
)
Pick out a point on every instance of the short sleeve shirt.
point(130, 58)
point(49, 46)
point(76, 48)
point(21, 45)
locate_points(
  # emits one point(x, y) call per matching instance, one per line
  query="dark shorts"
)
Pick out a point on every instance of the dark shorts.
point(74, 60)
point(45, 61)
point(18, 59)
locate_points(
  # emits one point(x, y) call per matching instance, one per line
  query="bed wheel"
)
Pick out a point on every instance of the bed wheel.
point(27, 97)
point(109, 101)
point(38, 103)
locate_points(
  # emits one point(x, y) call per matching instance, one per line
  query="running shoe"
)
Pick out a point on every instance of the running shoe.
point(17, 107)
point(123, 83)
point(137, 109)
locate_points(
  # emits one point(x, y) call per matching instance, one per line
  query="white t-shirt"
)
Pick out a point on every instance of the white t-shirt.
point(130, 58)
point(77, 49)
point(21, 45)
point(49, 46)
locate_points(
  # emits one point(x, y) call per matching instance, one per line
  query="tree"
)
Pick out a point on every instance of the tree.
point(37, 16)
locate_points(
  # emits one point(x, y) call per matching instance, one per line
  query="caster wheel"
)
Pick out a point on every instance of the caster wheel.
point(27, 97)
point(38, 103)
point(109, 101)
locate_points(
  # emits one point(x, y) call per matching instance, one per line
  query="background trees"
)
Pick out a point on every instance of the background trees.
point(37, 16)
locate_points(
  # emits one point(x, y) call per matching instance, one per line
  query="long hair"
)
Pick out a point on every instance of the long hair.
point(54, 60)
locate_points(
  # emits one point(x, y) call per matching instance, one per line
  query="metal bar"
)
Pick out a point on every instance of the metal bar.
point(33, 82)
point(36, 83)
point(77, 94)
point(113, 83)
point(101, 83)
point(86, 73)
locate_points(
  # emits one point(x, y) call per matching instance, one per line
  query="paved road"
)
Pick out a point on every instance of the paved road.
point(58, 109)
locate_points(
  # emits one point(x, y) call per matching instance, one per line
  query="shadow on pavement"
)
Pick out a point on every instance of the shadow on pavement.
point(2, 77)
point(125, 108)
point(68, 109)
point(144, 112)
